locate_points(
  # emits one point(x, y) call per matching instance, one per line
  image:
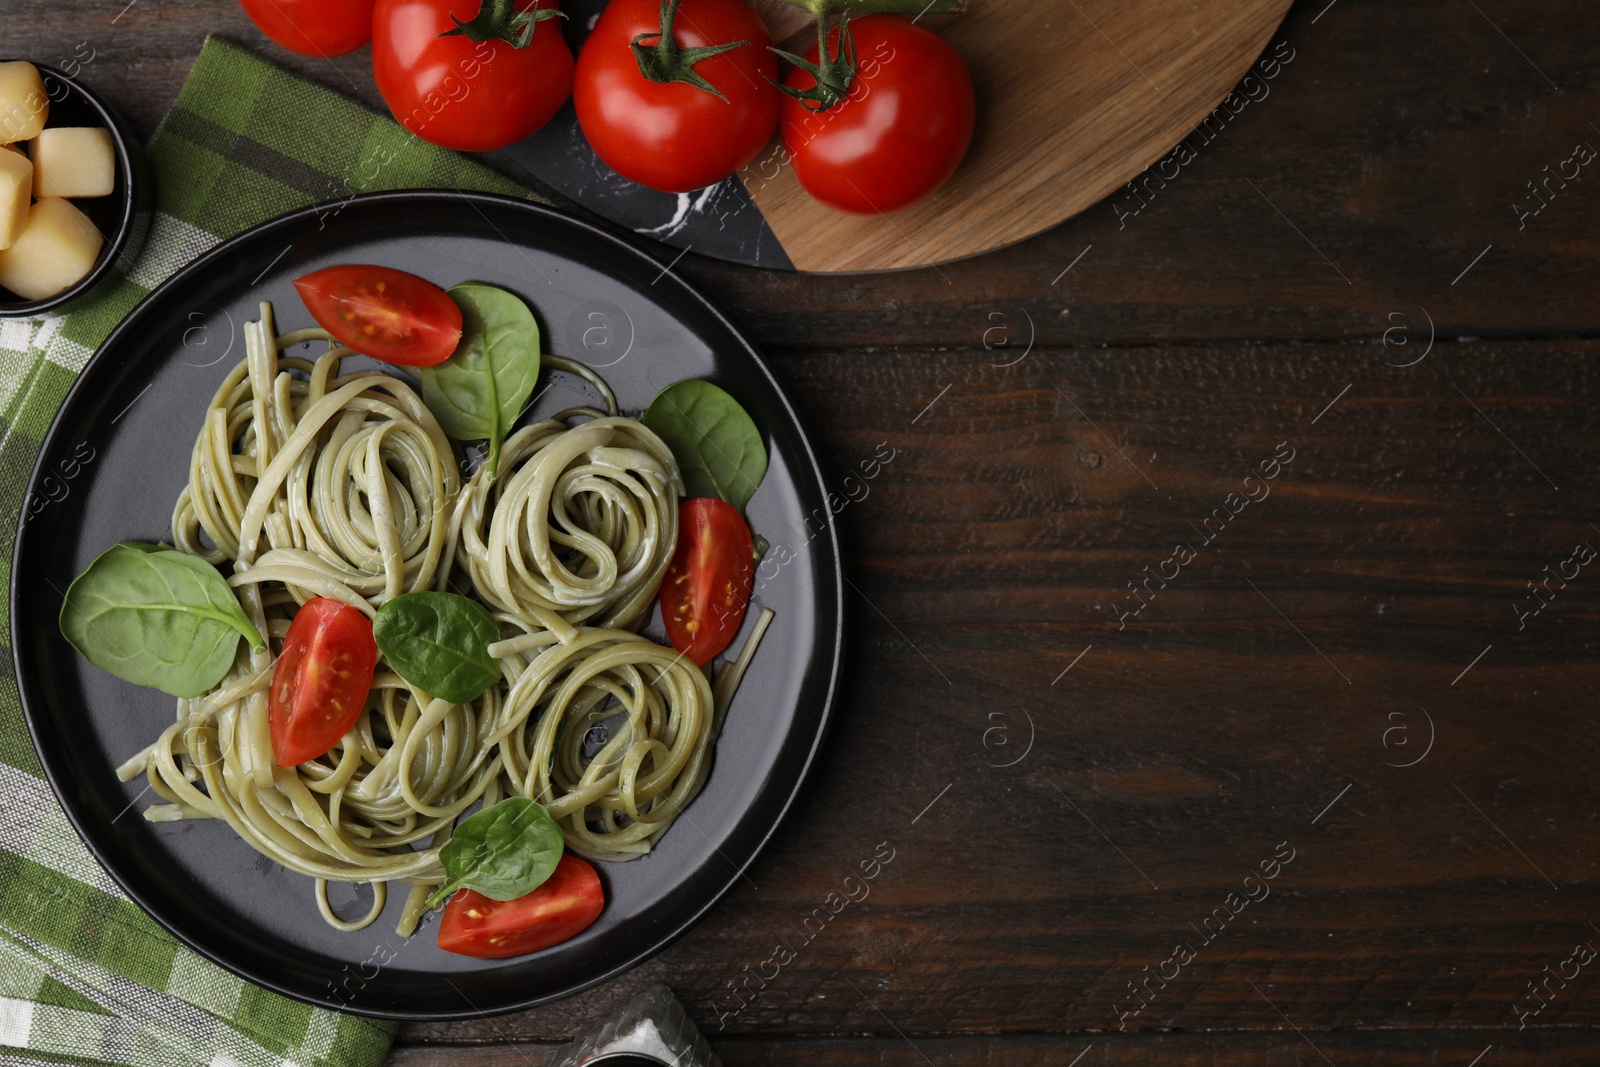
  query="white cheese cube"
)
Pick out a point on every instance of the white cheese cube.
point(24, 107)
point(16, 191)
point(73, 161)
point(57, 247)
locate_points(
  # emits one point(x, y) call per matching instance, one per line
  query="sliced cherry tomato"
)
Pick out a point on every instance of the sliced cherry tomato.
point(672, 135)
point(564, 906)
point(383, 313)
point(707, 585)
point(323, 28)
point(321, 680)
point(899, 134)
point(465, 94)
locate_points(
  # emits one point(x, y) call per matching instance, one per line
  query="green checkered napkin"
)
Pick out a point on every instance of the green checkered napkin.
point(85, 976)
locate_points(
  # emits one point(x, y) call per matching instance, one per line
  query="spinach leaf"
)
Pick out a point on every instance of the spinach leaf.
point(155, 616)
point(479, 391)
point(439, 642)
point(716, 444)
point(503, 852)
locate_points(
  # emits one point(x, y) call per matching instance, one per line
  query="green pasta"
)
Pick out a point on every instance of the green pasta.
point(309, 482)
point(578, 527)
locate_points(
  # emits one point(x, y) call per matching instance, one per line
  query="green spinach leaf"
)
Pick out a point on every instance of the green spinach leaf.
point(503, 852)
point(155, 616)
point(716, 444)
point(479, 391)
point(439, 642)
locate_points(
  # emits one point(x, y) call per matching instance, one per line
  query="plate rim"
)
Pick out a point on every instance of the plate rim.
point(831, 572)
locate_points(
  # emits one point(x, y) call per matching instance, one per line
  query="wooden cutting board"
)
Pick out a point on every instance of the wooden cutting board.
point(1075, 99)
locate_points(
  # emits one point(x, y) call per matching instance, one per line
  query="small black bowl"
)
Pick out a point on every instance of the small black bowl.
point(122, 218)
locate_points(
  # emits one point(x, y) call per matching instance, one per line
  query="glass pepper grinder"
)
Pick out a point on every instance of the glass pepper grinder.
point(652, 1030)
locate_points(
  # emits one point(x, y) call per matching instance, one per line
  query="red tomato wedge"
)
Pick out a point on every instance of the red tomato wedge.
point(384, 313)
point(707, 585)
point(564, 906)
point(321, 680)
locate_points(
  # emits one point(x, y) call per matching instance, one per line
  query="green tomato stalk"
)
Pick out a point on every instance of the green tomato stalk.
point(662, 59)
point(667, 61)
point(500, 20)
point(835, 71)
point(854, 8)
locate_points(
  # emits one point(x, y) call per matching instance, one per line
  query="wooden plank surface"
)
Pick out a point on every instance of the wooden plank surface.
point(1057, 432)
point(1396, 141)
point(1281, 1047)
point(1074, 100)
point(1185, 747)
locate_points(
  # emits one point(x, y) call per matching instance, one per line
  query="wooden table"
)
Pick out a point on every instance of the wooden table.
point(1081, 745)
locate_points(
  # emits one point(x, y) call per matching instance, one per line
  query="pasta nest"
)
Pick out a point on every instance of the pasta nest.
point(578, 527)
point(299, 467)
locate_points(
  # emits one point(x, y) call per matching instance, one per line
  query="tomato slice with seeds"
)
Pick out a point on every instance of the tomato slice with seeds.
point(321, 680)
point(383, 313)
point(707, 585)
point(561, 908)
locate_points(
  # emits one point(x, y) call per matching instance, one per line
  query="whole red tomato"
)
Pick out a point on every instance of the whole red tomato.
point(900, 132)
point(324, 28)
point(676, 136)
point(467, 94)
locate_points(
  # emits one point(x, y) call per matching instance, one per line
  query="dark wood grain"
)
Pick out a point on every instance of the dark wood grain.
point(1396, 141)
point(1186, 746)
point(1281, 1047)
point(1055, 439)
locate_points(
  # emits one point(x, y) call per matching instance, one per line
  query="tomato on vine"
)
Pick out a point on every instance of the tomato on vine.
point(476, 85)
point(880, 132)
point(677, 94)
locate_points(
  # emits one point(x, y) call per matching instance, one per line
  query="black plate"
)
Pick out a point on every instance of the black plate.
point(126, 431)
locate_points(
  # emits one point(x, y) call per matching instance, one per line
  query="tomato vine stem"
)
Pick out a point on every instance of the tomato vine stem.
point(853, 8)
point(833, 72)
point(668, 61)
point(500, 20)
